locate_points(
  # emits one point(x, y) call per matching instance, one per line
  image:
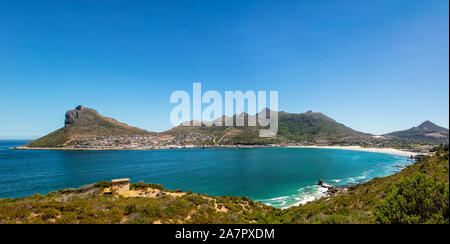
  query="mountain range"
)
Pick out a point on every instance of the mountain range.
point(309, 127)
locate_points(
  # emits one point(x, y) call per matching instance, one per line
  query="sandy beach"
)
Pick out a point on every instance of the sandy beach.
point(365, 149)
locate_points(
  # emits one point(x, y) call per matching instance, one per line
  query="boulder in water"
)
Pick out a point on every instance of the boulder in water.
point(320, 182)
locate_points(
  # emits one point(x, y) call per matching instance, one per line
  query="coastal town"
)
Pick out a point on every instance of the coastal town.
point(189, 140)
point(147, 142)
point(194, 140)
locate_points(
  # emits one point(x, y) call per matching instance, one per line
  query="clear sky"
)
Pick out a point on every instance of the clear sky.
point(376, 66)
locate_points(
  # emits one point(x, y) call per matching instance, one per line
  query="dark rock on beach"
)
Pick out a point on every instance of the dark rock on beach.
point(331, 190)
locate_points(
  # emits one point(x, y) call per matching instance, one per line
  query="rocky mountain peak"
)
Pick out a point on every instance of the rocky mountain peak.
point(427, 125)
point(80, 107)
point(79, 112)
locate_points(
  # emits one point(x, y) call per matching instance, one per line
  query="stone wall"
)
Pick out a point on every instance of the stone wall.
point(120, 186)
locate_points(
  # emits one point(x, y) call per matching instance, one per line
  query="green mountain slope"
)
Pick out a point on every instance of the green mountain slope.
point(427, 132)
point(226, 135)
point(313, 127)
point(310, 127)
point(85, 122)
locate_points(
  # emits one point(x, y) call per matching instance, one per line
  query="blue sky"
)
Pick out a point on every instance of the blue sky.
point(376, 66)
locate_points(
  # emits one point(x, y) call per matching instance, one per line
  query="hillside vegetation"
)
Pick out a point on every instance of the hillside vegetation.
point(306, 127)
point(363, 203)
point(427, 132)
point(417, 194)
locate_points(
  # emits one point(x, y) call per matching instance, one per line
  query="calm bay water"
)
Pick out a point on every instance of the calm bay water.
point(277, 176)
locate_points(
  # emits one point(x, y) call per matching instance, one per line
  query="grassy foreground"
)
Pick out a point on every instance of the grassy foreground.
point(417, 194)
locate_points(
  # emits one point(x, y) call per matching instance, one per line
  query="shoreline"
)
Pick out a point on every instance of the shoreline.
point(121, 148)
point(385, 150)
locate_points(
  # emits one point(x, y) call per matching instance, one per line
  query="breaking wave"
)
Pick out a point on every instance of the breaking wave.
point(303, 195)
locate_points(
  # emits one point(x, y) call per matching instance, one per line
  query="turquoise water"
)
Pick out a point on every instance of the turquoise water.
point(276, 176)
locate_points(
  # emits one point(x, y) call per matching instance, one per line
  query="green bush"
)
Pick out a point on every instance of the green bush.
point(335, 219)
point(157, 186)
point(139, 186)
point(417, 199)
point(103, 184)
point(67, 218)
point(143, 186)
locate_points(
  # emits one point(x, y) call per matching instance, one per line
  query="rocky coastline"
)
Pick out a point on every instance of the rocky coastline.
point(331, 190)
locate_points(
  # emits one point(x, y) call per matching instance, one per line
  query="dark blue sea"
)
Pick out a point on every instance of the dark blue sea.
point(280, 177)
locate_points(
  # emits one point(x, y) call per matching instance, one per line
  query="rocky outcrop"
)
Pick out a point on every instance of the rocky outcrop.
point(331, 190)
point(78, 113)
point(420, 157)
point(73, 115)
point(320, 182)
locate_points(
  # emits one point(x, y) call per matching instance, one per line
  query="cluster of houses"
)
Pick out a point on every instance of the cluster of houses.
point(188, 140)
point(191, 138)
point(196, 140)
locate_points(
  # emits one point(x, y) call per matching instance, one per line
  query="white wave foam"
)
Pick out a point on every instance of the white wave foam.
point(355, 179)
point(304, 195)
point(279, 198)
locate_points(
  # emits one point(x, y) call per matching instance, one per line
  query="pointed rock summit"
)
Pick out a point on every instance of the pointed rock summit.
point(74, 115)
point(430, 126)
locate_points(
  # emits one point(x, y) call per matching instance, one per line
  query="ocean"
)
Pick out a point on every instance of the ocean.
point(279, 177)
